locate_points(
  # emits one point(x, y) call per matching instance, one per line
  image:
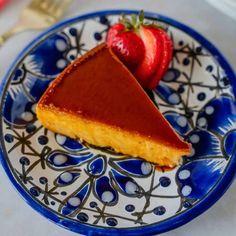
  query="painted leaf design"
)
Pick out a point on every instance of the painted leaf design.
point(105, 192)
point(75, 200)
point(168, 94)
point(198, 177)
point(133, 167)
point(62, 160)
point(126, 185)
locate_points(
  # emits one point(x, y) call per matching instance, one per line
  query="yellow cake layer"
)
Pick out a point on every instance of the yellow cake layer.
point(107, 136)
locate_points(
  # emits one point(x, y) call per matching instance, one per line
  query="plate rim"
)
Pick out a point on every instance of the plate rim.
point(156, 228)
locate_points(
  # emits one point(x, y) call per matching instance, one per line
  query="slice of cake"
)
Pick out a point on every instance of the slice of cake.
point(98, 100)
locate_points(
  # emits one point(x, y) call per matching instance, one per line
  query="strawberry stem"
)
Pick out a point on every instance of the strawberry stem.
point(135, 21)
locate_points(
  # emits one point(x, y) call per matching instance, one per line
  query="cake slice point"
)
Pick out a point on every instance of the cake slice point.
point(98, 100)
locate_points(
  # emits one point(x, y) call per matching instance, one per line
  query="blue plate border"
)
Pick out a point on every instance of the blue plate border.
point(165, 225)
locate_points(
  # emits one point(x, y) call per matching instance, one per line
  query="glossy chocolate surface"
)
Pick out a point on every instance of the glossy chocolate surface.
point(98, 87)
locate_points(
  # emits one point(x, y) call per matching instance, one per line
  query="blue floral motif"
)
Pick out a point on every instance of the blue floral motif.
point(198, 177)
point(67, 178)
point(179, 121)
point(49, 57)
point(62, 160)
point(68, 143)
point(169, 95)
point(218, 115)
point(105, 188)
point(204, 144)
point(212, 145)
point(142, 168)
point(72, 203)
point(97, 166)
point(172, 75)
point(105, 192)
point(23, 110)
point(126, 185)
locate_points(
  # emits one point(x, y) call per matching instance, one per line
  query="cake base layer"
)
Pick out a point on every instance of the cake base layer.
point(103, 135)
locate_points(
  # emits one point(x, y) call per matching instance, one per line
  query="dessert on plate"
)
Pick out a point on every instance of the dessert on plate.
point(98, 100)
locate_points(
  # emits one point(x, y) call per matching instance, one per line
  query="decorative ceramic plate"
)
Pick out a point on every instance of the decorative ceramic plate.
point(96, 191)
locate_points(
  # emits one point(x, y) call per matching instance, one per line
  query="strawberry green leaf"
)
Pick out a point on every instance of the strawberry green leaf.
point(134, 20)
point(141, 16)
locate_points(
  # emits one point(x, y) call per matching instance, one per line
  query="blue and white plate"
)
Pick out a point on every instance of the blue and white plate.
point(96, 191)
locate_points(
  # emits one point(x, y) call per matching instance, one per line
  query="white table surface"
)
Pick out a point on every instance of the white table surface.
point(19, 219)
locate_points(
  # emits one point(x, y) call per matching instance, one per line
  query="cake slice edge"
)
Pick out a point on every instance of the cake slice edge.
point(103, 135)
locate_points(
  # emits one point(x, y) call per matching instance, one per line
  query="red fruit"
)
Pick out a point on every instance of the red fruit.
point(2, 3)
point(151, 58)
point(113, 31)
point(144, 48)
point(129, 48)
point(165, 54)
point(126, 45)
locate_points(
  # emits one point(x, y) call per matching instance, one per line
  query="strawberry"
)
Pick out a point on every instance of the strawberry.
point(145, 49)
point(113, 31)
point(165, 56)
point(151, 58)
point(127, 45)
